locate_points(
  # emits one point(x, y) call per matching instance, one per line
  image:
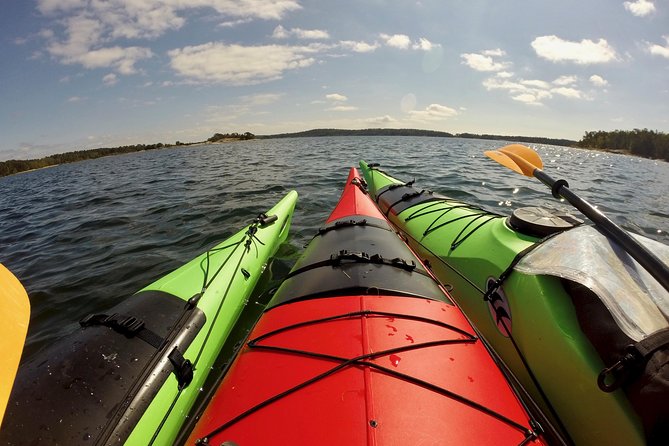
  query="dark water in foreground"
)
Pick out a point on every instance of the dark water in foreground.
point(83, 236)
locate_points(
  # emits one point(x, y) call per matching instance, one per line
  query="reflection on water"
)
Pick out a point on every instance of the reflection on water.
point(83, 236)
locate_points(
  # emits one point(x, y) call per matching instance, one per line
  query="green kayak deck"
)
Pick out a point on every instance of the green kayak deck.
point(529, 321)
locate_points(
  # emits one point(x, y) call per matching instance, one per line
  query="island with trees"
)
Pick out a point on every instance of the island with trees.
point(644, 143)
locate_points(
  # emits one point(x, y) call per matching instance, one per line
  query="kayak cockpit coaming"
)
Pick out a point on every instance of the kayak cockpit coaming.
point(357, 255)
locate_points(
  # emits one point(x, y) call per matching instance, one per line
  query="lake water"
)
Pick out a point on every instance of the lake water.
point(83, 236)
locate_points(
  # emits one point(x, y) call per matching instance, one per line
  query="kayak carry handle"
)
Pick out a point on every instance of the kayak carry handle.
point(264, 219)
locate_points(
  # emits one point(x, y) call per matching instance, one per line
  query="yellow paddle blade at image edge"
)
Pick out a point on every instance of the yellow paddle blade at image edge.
point(14, 318)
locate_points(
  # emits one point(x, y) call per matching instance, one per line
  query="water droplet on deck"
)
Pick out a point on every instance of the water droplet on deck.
point(394, 360)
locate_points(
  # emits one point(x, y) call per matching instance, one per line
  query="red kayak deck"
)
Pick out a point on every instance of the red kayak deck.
point(364, 370)
point(373, 368)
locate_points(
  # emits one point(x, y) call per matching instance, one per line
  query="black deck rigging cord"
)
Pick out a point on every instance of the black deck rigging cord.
point(247, 239)
point(363, 360)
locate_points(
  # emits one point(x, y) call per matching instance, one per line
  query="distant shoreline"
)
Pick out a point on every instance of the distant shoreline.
point(636, 144)
point(417, 132)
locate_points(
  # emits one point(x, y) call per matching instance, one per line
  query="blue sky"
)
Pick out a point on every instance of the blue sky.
point(81, 74)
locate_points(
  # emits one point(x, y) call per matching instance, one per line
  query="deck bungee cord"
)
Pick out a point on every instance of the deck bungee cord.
point(249, 238)
point(364, 360)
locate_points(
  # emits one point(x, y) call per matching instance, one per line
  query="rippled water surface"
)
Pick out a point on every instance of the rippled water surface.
point(83, 236)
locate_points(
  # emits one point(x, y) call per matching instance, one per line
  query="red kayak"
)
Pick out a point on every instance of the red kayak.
point(361, 346)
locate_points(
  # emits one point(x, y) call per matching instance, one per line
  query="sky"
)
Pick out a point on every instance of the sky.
point(80, 74)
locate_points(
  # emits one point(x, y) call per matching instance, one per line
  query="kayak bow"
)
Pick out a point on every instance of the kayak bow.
point(360, 345)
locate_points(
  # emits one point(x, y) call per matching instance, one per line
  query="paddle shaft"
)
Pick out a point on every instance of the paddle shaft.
point(649, 261)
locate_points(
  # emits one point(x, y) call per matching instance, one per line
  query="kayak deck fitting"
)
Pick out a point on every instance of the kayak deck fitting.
point(361, 345)
point(554, 334)
point(132, 374)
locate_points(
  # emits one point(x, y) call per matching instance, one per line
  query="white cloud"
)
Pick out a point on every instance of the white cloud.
point(598, 81)
point(280, 33)
point(342, 108)
point(110, 79)
point(400, 41)
point(152, 10)
point(536, 83)
point(359, 47)
point(535, 91)
point(497, 52)
point(83, 34)
point(565, 80)
point(527, 98)
point(336, 97)
point(433, 112)
point(238, 65)
point(567, 92)
point(504, 74)
point(483, 62)
point(424, 45)
point(658, 50)
point(640, 8)
point(527, 92)
point(403, 42)
point(233, 23)
point(313, 34)
point(73, 99)
point(584, 52)
point(87, 29)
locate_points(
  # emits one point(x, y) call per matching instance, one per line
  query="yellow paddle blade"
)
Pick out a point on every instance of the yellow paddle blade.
point(518, 158)
point(14, 317)
point(503, 160)
point(525, 153)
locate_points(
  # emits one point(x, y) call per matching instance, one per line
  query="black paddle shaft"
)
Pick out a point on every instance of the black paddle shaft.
point(649, 261)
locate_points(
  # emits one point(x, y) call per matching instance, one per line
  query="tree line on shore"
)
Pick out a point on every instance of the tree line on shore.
point(17, 166)
point(645, 143)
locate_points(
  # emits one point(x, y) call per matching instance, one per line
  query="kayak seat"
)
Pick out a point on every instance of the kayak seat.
point(357, 256)
point(96, 383)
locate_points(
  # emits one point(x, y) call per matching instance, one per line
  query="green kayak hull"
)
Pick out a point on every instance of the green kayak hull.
point(133, 375)
point(467, 248)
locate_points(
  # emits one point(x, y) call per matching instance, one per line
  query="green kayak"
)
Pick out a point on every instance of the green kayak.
point(133, 374)
point(546, 323)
